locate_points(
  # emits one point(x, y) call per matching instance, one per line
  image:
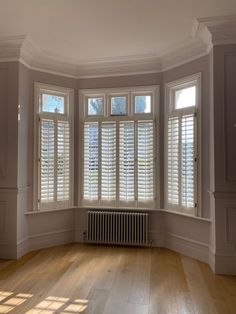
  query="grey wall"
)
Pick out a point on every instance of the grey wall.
point(223, 174)
point(8, 157)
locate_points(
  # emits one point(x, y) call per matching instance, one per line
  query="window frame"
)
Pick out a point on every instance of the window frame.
point(171, 111)
point(68, 115)
point(107, 117)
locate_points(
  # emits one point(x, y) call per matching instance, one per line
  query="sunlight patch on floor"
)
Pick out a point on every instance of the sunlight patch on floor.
point(50, 305)
point(13, 301)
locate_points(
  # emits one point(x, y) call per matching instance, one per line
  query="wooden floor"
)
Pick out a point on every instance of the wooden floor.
point(95, 279)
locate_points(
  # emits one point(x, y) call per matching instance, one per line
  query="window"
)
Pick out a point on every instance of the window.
point(182, 119)
point(54, 112)
point(119, 148)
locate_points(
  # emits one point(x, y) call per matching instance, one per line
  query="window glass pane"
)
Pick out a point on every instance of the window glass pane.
point(95, 106)
point(185, 97)
point(142, 104)
point(118, 106)
point(53, 103)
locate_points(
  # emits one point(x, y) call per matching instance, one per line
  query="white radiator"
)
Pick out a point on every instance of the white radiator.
point(113, 227)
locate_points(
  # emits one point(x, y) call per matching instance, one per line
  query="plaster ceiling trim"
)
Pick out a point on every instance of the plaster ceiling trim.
point(206, 32)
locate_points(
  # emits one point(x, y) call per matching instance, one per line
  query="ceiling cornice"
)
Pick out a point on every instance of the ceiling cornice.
point(218, 30)
point(206, 33)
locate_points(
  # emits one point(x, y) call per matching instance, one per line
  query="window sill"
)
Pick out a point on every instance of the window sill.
point(45, 211)
point(171, 212)
point(110, 208)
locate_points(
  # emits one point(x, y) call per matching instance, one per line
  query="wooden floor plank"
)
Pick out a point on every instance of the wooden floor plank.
point(112, 280)
point(202, 300)
point(169, 292)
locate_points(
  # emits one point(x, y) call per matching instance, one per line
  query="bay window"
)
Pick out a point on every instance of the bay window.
point(119, 145)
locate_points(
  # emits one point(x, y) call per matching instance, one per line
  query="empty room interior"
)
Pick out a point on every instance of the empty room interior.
point(118, 156)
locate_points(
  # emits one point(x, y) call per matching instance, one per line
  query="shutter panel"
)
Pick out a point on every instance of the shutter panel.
point(173, 161)
point(126, 161)
point(91, 161)
point(145, 160)
point(47, 160)
point(108, 161)
point(63, 161)
point(187, 160)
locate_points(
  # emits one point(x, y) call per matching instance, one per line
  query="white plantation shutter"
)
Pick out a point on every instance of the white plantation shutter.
point(173, 160)
point(63, 161)
point(47, 160)
point(126, 161)
point(181, 160)
point(108, 161)
point(145, 155)
point(91, 161)
point(187, 160)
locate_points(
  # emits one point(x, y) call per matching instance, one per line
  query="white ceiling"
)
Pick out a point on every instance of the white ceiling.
point(87, 30)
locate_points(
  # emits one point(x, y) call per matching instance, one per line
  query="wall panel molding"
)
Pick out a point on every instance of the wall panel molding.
point(229, 90)
point(230, 225)
point(3, 121)
point(3, 206)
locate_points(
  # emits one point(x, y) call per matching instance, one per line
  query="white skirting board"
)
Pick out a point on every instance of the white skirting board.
point(45, 240)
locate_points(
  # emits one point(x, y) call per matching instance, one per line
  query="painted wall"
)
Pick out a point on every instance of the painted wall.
point(8, 158)
point(223, 175)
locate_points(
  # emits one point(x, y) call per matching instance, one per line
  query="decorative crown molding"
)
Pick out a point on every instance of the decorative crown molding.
point(218, 30)
point(206, 32)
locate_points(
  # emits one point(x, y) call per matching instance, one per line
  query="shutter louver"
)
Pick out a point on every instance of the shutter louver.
point(108, 161)
point(187, 160)
point(173, 161)
point(126, 161)
point(91, 161)
point(63, 161)
point(47, 160)
point(145, 160)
